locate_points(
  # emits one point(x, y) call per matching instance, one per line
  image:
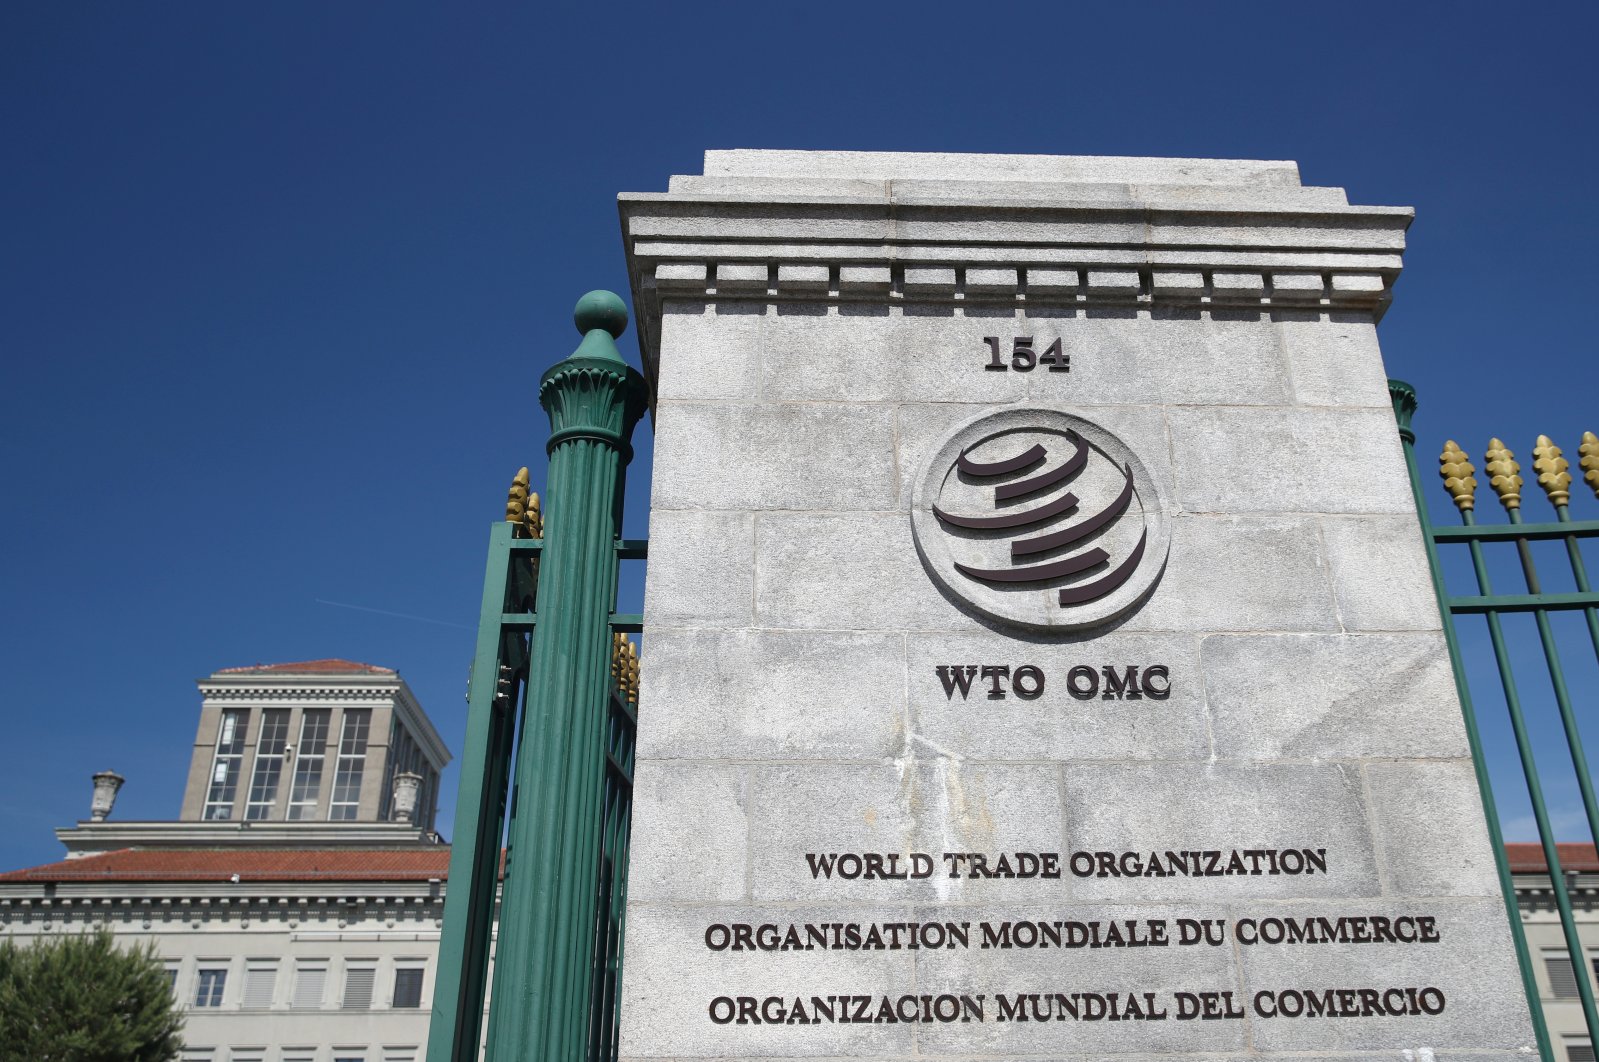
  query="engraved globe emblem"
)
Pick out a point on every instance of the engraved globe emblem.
point(1040, 518)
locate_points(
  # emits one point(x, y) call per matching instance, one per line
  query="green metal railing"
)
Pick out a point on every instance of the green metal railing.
point(494, 697)
point(1553, 475)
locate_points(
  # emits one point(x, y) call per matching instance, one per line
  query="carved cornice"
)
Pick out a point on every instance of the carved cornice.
point(274, 907)
point(1262, 250)
point(297, 693)
point(87, 838)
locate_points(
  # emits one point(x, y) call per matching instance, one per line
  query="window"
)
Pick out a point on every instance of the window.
point(349, 1054)
point(404, 755)
point(198, 1054)
point(310, 981)
point(352, 761)
point(225, 768)
point(408, 987)
point(1562, 978)
point(268, 764)
point(260, 981)
point(172, 979)
point(399, 1054)
point(427, 799)
point(247, 1054)
point(299, 1054)
point(358, 987)
point(308, 759)
point(1579, 1051)
point(208, 989)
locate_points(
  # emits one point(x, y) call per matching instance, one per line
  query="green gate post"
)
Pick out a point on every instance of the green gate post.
point(1403, 397)
point(540, 1003)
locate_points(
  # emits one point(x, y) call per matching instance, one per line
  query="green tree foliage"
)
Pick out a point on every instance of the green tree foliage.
point(80, 998)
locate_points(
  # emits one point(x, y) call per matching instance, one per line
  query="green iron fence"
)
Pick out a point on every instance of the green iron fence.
point(495, 696)
point(1554, 477)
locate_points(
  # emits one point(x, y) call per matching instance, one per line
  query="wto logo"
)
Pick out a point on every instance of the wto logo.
point(1040, 518)
point(1023, 548)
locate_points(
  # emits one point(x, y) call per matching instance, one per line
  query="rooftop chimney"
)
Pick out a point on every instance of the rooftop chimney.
point(106, 784)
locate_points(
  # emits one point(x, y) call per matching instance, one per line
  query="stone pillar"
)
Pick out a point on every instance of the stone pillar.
point(542, 980)
point(106, 785)
point(1048, 510)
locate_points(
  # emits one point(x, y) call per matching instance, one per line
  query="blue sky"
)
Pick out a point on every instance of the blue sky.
point(278, 281)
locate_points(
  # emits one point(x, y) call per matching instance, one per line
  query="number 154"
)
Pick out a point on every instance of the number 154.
point(1023, 358)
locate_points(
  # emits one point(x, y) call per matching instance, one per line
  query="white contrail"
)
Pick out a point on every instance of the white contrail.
point(396, 615)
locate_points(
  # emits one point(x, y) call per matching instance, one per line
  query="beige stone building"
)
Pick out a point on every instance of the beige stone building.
point(1557, 983)
point(297, 899)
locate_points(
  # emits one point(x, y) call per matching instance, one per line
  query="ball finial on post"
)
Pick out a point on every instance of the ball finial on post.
point(600, 309)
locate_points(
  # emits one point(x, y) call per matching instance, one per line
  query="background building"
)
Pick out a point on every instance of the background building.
point(272, 737)
point(297, 899)
point(1557, 982)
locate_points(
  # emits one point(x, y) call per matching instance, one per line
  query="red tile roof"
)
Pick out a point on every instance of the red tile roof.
point(258, 864)
point(1527, 857)
point(332, 666)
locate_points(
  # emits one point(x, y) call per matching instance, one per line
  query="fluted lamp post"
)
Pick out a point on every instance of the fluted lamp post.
point(542, 985)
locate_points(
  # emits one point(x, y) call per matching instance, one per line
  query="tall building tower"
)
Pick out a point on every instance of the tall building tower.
point(320, 741)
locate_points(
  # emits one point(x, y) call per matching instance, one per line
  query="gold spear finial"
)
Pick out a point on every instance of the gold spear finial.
point(1460, 477)
point(1504, 474)
point(1588, 460)
point(516, 500)
point(1551, 467)
point(625, 667)
point(522, 508)
point(533, 517)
